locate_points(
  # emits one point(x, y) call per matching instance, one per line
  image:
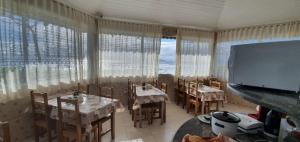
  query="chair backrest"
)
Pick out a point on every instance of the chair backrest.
point(5, 132)
point(77, 117)
point(92, 89)
point(181, 85)
point(216, 84)
point(211, 79)
point(200, 80)
point(42, 110)
point(129, 85)
point(155, 82)
point(133, 91)
point(80, 88)
point(193, 88)
point(130, 89)
point(164, 87)
point(107, 92)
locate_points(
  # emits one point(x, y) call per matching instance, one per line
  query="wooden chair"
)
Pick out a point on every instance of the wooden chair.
point(164, 87)
point(80, 88)
point(206, 81)
point(73, 131)
point(200, 81)
point(181, 92)
point(192, 98)
point(155, 83)
point(107, 92)
point(41, 118)
point(92, 89)
point(5, 135)
point(216, 85)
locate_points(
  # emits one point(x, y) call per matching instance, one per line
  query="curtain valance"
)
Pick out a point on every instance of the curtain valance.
point(127, 28)
point(48, 11)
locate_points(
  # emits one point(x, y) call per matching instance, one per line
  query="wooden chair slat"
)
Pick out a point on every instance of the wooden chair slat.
point(4, 126)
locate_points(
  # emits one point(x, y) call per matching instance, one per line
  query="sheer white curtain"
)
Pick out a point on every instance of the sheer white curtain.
point(267, 33)
point(43, 46)
point(194, 52)
point(128, 49)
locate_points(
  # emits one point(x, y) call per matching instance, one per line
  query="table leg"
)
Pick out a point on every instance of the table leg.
point(99, 131)
point(162, 113)
point(140, 117)
point(197, 108)
point(202, 107)
point(165, 111)
point(187, 103)
point(112, 125)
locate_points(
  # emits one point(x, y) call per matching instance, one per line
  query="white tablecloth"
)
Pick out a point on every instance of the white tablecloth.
point(148, 95)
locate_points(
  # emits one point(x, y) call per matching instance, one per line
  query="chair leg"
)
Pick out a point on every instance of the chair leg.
point(128, 102)
point(152, 115)
point(197, 106)
point(36, 134)
point(165, 111)
point(176, 97)
point(49, 135)
point(140, 117)
point(161, 113)
point(160, 110)
point(148, 116)
point(134, 114)
point(99, 131)
point(96, 135)
point(112, 125)
point(184, 103)
point(187, 108)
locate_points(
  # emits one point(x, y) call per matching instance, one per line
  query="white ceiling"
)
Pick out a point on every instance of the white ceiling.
point(204, 14)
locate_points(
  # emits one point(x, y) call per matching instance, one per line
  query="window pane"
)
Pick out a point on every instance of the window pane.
point(167, 60)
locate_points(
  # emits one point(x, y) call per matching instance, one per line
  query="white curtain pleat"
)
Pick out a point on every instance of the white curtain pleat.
point(194, 52)
point(43, 46)
point(266, 33)
point(128, 49)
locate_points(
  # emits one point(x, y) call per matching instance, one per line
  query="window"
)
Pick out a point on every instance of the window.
point(128, 50)
point(167, 59)
point(34, 53)
point(120, 55)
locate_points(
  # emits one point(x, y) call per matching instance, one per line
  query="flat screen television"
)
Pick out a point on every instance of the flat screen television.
point(274, 65)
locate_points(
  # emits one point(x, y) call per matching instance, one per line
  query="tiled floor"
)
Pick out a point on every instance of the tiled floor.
point(176, 116)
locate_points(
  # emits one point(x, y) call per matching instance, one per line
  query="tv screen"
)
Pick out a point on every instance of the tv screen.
point(274, 65)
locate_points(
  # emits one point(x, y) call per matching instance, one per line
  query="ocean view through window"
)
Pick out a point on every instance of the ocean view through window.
point(167, 58)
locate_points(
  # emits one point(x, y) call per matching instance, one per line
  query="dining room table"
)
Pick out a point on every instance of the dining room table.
point(207, 93)
point(150, 94)
point(91, 108)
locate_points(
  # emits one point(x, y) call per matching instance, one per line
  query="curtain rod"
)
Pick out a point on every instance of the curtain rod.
point(152, 23)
